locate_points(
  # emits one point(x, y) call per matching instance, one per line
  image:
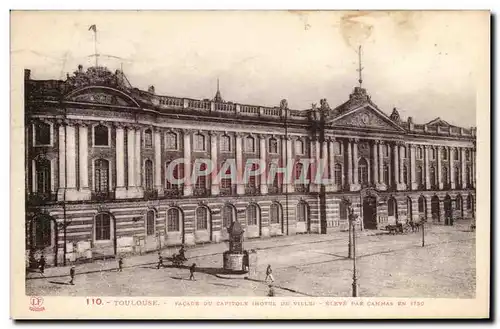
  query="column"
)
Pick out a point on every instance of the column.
point(381, 164)
point(427, 169)
point(402, 185)
point(349, 163)
point(414, 184)
point(188, 188)
point(265, 171)
point(121, 191)
point(334, 186)
point(138, 159)
point(158, 163)
point(439, 174)
point(464, 177)
point(83, 158)
point(70, 158)
point(289, 161)
point(214, 189)
point(375, 166)
point(355, 161)
point(396, 165)
point(240, 187)
point(451, 159)
point(62, 162)
point(130, 161)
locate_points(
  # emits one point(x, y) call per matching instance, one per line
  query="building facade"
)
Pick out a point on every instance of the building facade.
point(98, 152)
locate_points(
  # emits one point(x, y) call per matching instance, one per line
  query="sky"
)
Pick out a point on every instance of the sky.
point(426, 64)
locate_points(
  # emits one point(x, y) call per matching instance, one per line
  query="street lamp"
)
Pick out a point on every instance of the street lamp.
point(352, 222)
point(422, 220)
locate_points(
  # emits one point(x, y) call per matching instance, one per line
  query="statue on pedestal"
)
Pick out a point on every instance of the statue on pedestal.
point(236, 258)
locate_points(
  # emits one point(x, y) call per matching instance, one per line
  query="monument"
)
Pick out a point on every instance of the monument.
point(236, 258)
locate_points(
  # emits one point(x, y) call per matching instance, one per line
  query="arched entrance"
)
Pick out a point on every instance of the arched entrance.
point(459, 206)
point(104, 236)
point(422, 207)
point(41, 238)
point(370, 213)
point(303, 222)
point(435, 208)
point(448, 212)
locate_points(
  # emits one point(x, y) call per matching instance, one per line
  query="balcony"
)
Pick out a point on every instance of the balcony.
point(252, 190)
point(173, 192)
point(102, 196)
point(274, 190)
point(41, 198)
point(301, 188)
point(225, 191)
point(150, 194)
point(201, 191)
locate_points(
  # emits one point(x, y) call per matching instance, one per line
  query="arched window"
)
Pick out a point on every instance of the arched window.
point(298, 171)
point(201, 180)
point(343, 210)
point(421, 204)
point(276, 178)
point(148, 138)
point(252, 211)
point(455, 154)
point(273, 145)
point(338, 174)
point(42, 232)
point(363, 171)
point(148, 174)
point(199, 142)
point(433, 176)
point(444, 172)
point(250, 144)
point(42, 134)
point(150, 222)
point(302, 212)
point(470, 200)
point(226, 182)
point(177, 173)
point(275, 213)
point(101, 182)
point(392, 207)
point(299, 147)
point(102, 227)
point(42, 168)
point(433, 153)
point(171, 141)
point(173, 220)
point(420, 176)
point(101, 135)
point(225, 143)
point(385, 150)
point(228, 215)
point(386, 174)
point(201, 218)
point(405, 174)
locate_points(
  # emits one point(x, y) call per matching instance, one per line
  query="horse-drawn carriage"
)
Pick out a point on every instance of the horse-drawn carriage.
point(403, 228)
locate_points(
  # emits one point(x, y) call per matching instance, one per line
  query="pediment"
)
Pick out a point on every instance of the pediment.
point(101, 95)
point(438, 122)
point(366, 117)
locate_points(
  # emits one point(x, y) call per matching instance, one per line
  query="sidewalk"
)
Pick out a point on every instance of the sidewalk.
point(199, 251)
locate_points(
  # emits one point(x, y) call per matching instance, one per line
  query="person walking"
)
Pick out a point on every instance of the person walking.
point(191, 271)
point(271, 291)
point(72, 274)
point(160, 261)
point(120, 264)
point(41, 264)
point(269, 273)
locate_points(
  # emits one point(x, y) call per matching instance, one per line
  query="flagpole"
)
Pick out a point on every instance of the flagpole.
point(95, 47)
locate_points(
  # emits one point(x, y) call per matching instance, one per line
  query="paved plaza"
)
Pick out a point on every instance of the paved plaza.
point(303, 265)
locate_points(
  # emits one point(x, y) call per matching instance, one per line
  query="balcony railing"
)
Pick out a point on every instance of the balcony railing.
point(301, 188)
point(102, 196)
point(201, 191)
point(173, 192)
point(40, 198)
point(150, 194)
point(252, 190)
point(274, 190)
point(223, 191)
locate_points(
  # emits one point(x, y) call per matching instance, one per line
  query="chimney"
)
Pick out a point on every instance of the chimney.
point(27, 74)
point(80, 68)
point(151, 89)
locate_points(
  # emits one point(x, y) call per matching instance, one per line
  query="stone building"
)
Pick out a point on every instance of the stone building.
point(97, 153)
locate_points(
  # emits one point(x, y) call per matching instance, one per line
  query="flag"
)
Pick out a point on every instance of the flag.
point(93, 28)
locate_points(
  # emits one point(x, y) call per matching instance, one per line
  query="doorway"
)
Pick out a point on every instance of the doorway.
point(370, 213)
point(448, 213)
point(435, 208)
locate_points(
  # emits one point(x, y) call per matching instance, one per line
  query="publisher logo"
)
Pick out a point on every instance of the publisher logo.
point(36, 304)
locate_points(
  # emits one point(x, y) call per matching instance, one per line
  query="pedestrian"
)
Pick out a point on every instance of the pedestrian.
point(191, 270)
point(269, 273)
point(271, 291)
point(120, 264)
point(41, 264)
point(160, 261)
point(72, 274)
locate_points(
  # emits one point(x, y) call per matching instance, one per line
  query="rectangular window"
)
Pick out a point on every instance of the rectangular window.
point(171, 141)
point(42, 134)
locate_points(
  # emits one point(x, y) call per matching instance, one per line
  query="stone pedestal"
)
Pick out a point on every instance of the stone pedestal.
point(234, 262)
